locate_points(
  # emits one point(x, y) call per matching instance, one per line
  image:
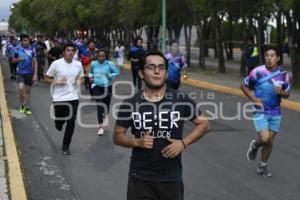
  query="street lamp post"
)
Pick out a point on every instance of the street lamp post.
point(164, 26)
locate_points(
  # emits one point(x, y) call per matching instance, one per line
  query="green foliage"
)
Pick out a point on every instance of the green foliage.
point(234, 32)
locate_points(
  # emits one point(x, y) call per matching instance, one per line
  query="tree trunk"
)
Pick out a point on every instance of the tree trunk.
point(201, 57)
point(261, 29)
point(294, 51)
point(229, 48)
point(215, 44)
point(279, 36)
point(149, 33)
point(187, 34)
point(206, 31)
point(177, 31)
point(156, 37)
point(219, 42)
point(244, 49)
point(114, 38)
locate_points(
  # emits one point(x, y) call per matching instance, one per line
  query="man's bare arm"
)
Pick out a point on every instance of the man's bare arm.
point(202, 126)
point(250, 96)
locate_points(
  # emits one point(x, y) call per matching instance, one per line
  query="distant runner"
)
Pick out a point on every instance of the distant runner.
point(27, 69)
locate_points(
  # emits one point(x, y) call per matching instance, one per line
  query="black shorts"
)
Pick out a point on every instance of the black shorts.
point(25, 78)
point(139, 190)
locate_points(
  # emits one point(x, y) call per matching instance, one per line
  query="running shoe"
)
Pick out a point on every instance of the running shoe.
point(27, 111)
point(100, 131)
point(252, 151)
point(22, 110)
point(263, 171)
point(65, 150)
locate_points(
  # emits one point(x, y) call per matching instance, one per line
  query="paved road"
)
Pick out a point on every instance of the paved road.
point(215, 168)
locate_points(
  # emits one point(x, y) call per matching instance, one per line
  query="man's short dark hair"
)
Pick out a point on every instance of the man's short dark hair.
point(91, 41)
point(173, 42)
point(23, 36)
point(153, 53)
point(267, 48)
point(136, 39)
point(68, 44)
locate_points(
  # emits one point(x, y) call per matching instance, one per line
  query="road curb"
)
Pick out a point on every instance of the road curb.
point(16, 183)
point(292, 105)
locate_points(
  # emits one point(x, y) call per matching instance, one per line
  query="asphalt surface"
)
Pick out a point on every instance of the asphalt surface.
point(214, 168)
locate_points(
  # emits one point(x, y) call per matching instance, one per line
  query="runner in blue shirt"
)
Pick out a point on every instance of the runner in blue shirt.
point(271, 83)
point(176, 62)
point(136, 55)
point(11, 49)
point(26, 72)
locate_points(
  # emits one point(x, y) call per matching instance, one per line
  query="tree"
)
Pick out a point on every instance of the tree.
point(292, 14)
point(202, 22)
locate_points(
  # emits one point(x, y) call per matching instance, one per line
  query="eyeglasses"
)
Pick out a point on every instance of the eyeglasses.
point(153, 67)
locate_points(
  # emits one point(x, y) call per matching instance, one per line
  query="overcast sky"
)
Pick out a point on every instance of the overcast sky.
point(4, 8)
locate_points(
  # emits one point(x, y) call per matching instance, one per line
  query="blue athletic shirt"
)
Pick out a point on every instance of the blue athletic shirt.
point(266, 90)
point(25, 66)
point(175, 64)
point(12, 49)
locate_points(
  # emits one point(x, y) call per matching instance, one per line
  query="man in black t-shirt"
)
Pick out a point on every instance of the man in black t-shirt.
point(135, 56)
point(55, 52)
point(156, 117)
point(40, 50)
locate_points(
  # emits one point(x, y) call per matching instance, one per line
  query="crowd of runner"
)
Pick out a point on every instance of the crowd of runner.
point(157, 123)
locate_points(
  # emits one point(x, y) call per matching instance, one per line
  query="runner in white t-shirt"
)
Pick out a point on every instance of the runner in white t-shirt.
point(65, 75)
point(3, 46)
point(120, 51)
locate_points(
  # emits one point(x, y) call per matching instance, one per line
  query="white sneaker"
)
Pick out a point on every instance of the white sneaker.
point(105, 122)
point(100, 131)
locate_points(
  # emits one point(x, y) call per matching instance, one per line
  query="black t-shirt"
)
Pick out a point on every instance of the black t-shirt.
point(55, 52)
point(166, 119)
point(40, 54)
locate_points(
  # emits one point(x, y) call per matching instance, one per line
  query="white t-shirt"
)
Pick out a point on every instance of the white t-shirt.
point(47, 43)
point(120, 51)
point(71, 71)
point(75, 57)
point(3, 44)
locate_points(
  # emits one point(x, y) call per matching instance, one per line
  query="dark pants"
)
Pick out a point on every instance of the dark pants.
point(102, 95)
point(88, 85)
point(41, 68)
point(13, 68)
point(149, 190)
point(137, 81)
point(173, 84)
point(65, 112)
